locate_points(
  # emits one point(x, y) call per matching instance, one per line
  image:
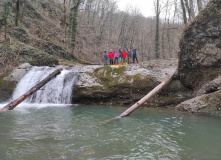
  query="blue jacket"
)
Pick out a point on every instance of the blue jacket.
point(134, 52)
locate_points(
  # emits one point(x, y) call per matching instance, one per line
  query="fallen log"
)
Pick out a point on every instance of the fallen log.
point(144, 99)
point(14, 103)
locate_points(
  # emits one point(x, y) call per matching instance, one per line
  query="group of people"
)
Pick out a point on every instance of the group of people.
point(120, 56)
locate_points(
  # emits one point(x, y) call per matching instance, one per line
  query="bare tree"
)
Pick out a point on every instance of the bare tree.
point(157, 36)
point(192, 12)
point(73, 20)
point(199, 5)
point(17, 12)
point(65, 19)
point(184, 12)
point(5, 16)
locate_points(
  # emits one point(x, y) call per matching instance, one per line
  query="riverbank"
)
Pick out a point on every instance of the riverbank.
point(99, 84)
point(124, 86)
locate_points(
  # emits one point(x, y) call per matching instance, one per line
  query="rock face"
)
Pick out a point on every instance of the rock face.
point(205, 104)
point(200, 61)
point(127, 84)
point(200, 48)
point(8, 84)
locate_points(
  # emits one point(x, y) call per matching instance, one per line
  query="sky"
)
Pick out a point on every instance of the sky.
point(145, 6)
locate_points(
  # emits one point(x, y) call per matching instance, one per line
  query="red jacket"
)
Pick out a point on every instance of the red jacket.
point(124, 54)
point(110, 55)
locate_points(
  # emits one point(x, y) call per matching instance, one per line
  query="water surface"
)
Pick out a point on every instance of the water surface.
point(34, 132)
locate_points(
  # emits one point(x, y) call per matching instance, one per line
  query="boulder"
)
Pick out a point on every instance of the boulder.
point(208, 104)
point(200, 61)
point(200, 48)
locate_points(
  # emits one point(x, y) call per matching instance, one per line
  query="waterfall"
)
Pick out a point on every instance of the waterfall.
point(57, 91)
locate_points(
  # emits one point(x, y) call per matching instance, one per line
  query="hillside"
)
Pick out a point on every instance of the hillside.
point(38, 39)
point(43, 38)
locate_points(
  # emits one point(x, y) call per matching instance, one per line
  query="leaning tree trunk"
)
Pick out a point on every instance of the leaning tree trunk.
point(16, 102)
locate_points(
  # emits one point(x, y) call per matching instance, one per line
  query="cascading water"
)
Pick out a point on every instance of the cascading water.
point(57, 91)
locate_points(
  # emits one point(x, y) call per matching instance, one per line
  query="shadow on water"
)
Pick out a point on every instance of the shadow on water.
point(65, 132)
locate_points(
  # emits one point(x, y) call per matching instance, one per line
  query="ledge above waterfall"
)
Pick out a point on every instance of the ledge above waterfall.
point(127, 84)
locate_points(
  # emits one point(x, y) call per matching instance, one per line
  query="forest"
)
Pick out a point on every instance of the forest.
point(59, 100)
point(85, 28)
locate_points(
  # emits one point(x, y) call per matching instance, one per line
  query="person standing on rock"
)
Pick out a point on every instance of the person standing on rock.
point(105, 58)
point(129, 56)
point(111, 57)
point(135, 54)
point(120, 54)
point(124, 55)
point(116, 57)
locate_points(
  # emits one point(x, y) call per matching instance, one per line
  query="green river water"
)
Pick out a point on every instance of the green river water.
point(39, 132)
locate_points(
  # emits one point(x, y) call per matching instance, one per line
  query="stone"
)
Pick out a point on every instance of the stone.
point(200, 48)
point(210, 87)
point(18, 73)
point(208, 104)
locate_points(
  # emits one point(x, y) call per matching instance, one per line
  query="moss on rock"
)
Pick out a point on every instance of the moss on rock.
point(6, 89)
point(108, 76)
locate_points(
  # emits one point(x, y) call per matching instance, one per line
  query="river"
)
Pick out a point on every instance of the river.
point(71, 132)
